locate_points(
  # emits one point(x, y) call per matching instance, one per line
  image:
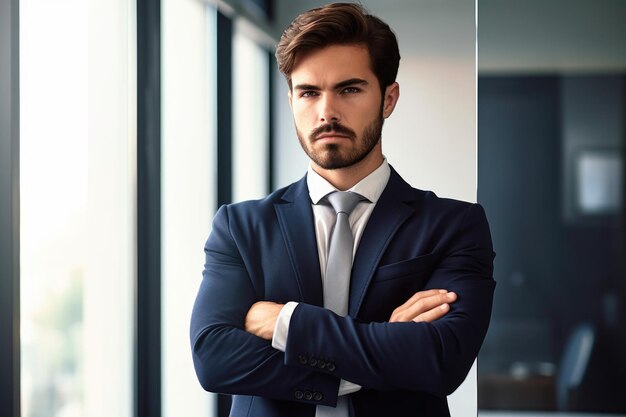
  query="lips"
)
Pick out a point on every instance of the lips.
point(332, 135)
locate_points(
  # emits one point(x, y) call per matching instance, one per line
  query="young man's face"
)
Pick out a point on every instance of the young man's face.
point(338, 107)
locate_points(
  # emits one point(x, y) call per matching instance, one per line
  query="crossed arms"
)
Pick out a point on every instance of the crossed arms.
point(423, 346)
point(424, 306)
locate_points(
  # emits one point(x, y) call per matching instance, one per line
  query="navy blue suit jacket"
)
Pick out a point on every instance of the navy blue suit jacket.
point(266, 250)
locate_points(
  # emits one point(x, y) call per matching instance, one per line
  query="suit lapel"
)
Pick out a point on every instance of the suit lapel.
point(390, 212)
point(295, 217)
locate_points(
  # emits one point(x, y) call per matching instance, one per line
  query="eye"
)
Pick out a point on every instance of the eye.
point(308, 93)
point(350, 90)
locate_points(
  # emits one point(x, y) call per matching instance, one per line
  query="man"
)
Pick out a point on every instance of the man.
point(390, 324)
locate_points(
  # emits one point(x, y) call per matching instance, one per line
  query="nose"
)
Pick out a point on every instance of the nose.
point(328, 111)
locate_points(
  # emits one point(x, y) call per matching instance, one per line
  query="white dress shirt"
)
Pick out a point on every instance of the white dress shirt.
point(370, 187)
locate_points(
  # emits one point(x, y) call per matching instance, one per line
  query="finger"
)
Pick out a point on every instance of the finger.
point(400, 313)
point(419, 295)
point(434, 314)
point(425, 304)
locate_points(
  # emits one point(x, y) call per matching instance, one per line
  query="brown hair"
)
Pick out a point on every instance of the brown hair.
point(340, 24)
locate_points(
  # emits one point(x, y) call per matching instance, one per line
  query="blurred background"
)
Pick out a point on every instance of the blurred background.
point(127, 123)
point(551, 146)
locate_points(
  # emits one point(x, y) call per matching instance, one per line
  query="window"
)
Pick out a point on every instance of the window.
point(81, 192)
point(250, 117)
point(188, 189)
point(551, 144)
point(77, 208)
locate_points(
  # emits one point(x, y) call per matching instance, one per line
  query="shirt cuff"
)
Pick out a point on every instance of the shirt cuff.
point(347, 387)
point(281, 330)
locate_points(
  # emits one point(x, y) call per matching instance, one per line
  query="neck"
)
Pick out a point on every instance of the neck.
point(345, 178)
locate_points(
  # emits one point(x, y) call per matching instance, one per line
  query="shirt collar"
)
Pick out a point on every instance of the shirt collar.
point(370, 187)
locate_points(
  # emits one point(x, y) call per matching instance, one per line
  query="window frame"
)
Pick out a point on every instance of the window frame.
point(148, 372)
point(10, 395)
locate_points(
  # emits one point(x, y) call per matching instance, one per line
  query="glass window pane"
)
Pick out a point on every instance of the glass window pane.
point(551, 154)
point(250, 118)
point(188, 193)
point(77, 208)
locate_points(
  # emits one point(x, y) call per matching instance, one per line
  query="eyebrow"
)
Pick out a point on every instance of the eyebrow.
point(351, 81)
point(339, 85)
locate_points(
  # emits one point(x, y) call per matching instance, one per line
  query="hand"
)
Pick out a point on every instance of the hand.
point(425, 306)
point(261, 319)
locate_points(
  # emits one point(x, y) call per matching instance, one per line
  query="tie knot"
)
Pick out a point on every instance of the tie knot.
point(344, 201)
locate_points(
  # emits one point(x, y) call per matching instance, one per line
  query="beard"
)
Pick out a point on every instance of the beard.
point(334, 156)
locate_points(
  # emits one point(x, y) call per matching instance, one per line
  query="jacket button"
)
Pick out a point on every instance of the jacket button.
point(312, 361)
point(298, 395)
point(302, 359)
point(330, 366)
point(308, 395)
point(317, 396)
point(321, 364)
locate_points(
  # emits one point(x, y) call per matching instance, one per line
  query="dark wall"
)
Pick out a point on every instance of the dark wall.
point(553, 272)
point(518, 170)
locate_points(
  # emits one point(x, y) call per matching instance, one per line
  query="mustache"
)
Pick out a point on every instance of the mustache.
point(332, 127)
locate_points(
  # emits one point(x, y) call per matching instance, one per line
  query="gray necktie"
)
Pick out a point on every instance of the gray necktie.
point(337, 278)
point(339, 262)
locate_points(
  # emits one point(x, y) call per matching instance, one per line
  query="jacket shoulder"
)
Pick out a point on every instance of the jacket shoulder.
point(260, 207)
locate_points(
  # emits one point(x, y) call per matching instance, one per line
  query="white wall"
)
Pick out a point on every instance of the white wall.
point(431, 137)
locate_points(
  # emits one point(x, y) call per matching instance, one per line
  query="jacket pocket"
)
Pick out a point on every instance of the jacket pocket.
point(409, 267)
point(393, 284)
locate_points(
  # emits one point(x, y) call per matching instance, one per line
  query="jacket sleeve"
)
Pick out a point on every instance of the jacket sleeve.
point(432, 357)
point(228, 359)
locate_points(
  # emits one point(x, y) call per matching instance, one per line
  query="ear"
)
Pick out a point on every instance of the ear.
point(290, 96)
point(392, 94)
